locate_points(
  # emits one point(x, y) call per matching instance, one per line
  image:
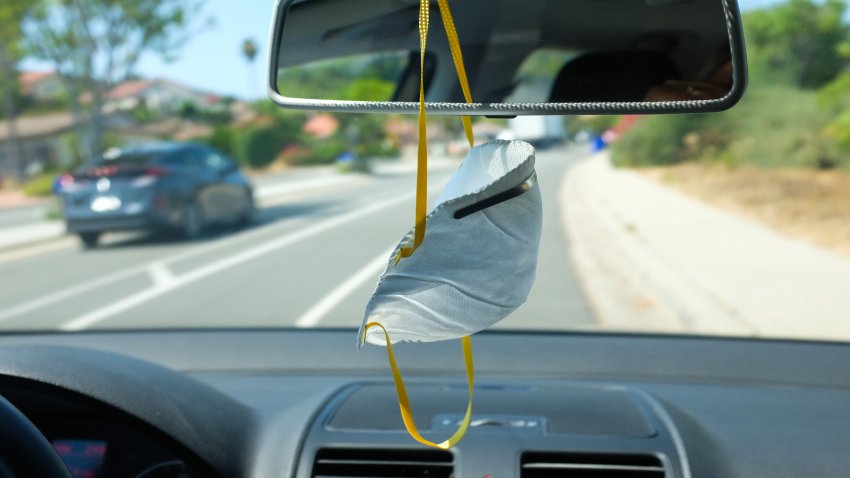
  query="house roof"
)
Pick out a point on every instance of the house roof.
point(321, 126)
point(28, 79)
point(135, 88)
point(130, 89)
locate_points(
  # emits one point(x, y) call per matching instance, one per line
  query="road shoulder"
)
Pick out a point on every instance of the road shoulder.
point(650, 258)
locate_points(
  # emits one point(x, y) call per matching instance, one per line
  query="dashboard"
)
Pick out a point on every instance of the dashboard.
point(98, 441)
point(287, 403)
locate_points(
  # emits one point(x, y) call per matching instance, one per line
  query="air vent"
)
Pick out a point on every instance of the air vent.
point(590, 465)
point(381, 463)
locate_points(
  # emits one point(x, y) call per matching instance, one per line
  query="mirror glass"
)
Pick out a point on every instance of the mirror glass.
point(515, 51)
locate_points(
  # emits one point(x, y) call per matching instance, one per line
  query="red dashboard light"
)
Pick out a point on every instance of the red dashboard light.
point(84, 458)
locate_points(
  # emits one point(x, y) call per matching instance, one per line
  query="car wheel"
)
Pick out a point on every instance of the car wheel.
point(192, 222)
point(90, 239)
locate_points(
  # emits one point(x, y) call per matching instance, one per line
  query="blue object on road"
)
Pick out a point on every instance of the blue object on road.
point(58, 184)
point(345, 157)
point(598, 144)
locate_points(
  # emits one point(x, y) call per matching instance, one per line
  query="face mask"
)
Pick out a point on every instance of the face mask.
point(478, 259)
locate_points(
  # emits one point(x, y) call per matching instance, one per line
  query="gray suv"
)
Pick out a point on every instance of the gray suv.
point(171, 186)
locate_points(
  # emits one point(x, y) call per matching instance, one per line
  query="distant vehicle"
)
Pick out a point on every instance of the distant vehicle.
point(541, 131)
point(159, 186)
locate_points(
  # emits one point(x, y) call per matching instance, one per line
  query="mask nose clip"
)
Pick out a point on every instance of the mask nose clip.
point(495, 199)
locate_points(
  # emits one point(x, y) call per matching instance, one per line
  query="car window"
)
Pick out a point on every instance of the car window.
point(215, 161)
point(129, 159)
point(173, 160)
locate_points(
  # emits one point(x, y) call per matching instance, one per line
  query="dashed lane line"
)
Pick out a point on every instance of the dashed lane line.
point(103, 313)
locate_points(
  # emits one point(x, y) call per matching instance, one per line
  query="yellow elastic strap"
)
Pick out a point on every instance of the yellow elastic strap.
point(419, 230)
point(457, 56)
point(422, 160)
point(404, 401)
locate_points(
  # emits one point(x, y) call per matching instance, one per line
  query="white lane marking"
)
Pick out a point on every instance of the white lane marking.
point(84, 287)
point(65, 294)
point(103, 313)
point(160, 274)
point(315, 314)
point(263, 192)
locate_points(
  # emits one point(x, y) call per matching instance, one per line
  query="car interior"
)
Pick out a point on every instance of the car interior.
point(240, 402)
point(307, 404)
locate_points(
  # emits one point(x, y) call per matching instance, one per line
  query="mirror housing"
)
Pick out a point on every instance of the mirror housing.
point(662, 56)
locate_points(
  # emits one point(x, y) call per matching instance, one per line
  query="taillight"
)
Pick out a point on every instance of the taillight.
point(156, 171)
point(104, 171)
point(66, 180)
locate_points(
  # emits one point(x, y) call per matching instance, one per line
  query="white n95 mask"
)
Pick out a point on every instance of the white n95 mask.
point(478, 259)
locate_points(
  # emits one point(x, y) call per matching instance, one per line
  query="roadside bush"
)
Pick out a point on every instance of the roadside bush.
point(379, 149)
point(835, 99)
point(221, 139)
point(318, 153)
point(654, 141)
point(773, 126)
point(257, 147)
point(40, 186)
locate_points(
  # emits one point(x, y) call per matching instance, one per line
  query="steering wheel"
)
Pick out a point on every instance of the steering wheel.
point(24, 451)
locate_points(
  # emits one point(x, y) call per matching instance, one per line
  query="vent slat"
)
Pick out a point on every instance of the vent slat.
point(580, 466)
point(590, 465)
point(325, 461)
point(382, 463)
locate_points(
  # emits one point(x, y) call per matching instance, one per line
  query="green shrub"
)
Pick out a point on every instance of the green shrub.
point(41, 185)
point(773, 126)
point(320, 152)
point(221, 139)
point(257, 147)
point(656, 140)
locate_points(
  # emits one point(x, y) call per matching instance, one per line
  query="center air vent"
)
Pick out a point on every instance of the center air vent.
point(590, 465)
point(378, 463)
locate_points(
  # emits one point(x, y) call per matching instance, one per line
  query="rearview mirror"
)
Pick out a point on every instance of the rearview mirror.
point(523, 57)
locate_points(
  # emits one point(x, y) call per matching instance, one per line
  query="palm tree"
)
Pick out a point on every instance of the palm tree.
point(249, 51)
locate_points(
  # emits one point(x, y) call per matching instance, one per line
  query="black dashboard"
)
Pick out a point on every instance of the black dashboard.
point(95, 440)
point(288, 403)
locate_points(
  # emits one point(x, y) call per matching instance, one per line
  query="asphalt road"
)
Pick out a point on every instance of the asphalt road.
point(311, 260)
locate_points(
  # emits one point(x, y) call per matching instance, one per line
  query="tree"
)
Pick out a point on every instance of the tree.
point(249, 51)
point(801, 42)
point(96, 44)
point(12, 13)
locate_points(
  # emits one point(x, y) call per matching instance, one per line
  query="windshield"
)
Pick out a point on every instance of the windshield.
point(146, 181)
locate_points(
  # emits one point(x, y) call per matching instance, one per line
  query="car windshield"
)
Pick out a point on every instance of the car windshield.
point(252, 216)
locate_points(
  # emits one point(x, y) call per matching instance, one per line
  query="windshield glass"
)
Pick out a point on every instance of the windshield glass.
point(733, 224)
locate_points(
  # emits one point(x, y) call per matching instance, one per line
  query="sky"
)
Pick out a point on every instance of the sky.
point(212, 59)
